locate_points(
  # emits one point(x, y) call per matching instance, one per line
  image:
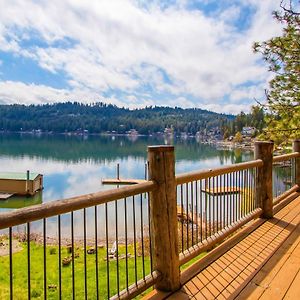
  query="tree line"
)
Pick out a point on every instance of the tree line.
point(101, 118)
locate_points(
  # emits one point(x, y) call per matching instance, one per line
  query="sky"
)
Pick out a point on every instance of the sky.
point(135, 53)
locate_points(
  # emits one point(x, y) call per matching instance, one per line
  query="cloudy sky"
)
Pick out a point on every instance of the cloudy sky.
point(135, 53)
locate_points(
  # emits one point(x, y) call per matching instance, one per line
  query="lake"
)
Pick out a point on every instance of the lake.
point(75, 165)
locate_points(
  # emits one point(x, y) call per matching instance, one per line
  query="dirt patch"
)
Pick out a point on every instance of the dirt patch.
point(4, 247)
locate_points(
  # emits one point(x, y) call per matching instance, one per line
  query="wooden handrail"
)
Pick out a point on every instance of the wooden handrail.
point(139, 287)
point(285, 194)
point(204, 174)
point(285, 157)
point(54, 208)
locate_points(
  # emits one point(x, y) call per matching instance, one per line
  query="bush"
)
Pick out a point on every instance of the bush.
point(52, 251)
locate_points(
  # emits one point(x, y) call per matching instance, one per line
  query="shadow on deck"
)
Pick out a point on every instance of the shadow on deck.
point(264, 263)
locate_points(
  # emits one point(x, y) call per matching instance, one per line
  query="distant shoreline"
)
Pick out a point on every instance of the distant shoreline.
point(220, 144)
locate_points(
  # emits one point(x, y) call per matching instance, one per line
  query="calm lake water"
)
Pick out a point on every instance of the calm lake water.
point(75, 165)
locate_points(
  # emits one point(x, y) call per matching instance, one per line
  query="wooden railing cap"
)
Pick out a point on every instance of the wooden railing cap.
point(160, 148)
point(264, 142)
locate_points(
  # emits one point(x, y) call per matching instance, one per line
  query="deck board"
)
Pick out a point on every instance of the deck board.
point(264, 265)
point(272, 274)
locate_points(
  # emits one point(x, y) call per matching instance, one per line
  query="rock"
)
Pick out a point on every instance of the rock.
point(66, 261)
point(91, 251)
point(52, 286)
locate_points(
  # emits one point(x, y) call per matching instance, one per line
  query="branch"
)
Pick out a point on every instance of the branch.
point(290, 11)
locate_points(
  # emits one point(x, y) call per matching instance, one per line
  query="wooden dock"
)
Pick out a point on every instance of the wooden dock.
point(222, 190)
point(117, 181)
point(26, 183)
point(5, 196)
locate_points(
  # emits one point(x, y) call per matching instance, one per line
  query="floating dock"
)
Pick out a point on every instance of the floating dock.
point(222, 190)
point(4, 196)
point(122, 181)
point(20, 184)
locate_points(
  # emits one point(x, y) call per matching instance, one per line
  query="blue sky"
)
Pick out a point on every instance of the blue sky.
point(135, 53)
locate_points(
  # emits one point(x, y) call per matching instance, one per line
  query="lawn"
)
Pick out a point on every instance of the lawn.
point(20, 282)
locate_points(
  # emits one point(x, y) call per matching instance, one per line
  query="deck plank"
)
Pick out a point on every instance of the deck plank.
point(294, 289)
point(264, 278)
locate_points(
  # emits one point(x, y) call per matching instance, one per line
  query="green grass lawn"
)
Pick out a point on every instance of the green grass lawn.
point(37, 277)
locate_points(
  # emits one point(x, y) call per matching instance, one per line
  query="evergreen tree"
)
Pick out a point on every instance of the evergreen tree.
point(283, 97)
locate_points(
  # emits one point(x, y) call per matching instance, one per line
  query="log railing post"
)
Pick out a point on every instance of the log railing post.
point(264, 187)
point(163, 217)
point(296, 148)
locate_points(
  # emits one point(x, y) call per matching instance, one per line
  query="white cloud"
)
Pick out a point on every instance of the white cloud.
point(118, 45)
point(11, 92)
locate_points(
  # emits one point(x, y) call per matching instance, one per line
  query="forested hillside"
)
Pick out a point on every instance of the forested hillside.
point(101, 117)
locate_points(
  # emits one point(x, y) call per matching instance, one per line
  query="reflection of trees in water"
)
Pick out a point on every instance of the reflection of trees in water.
point(283, 177)
point(21, 201)
point(235, 156)
point(99, 148)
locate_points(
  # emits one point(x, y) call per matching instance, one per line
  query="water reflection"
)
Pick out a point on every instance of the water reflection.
point(22, 201)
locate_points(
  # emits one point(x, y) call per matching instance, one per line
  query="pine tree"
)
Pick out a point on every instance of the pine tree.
point(283, 97)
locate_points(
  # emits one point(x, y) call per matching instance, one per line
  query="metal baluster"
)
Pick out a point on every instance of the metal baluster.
point(192, 211)
point(182, 220)
point(201, 211)
point(205, 204)
point(84, 247)
point(96, 247)
point(72, 245)
point(187, 214)
point(197, 213)
point(117, 248)
point(142, 236)
point(126, 242)
point(45, 258)
point(28, 261)
point(134, 239)
point(10, 264)
point(107, 255)
point(59, 258)
point(150, 241)
point(209, 205)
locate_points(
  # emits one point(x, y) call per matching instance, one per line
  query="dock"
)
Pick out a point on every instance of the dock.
point(4, 196)
point(26, 183)
point(222, 190)
point(122, 181)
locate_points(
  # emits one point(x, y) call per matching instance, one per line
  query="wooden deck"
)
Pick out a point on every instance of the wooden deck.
point(263, 265)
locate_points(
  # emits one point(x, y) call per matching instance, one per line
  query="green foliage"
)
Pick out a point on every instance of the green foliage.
point(283, 97)
point(256, 118)
point(100, 117)
point(238, 138)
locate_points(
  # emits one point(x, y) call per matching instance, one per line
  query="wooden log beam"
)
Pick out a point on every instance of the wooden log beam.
point(296, 148)
point(58, 207)
point(264, 189)
point(204, 174)
point(163, 216)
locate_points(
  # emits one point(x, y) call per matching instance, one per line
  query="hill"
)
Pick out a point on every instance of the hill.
point(101, 118)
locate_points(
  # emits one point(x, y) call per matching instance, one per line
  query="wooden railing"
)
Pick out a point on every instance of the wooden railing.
point(178, 218)
point(126, 274)
point(249, 183)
